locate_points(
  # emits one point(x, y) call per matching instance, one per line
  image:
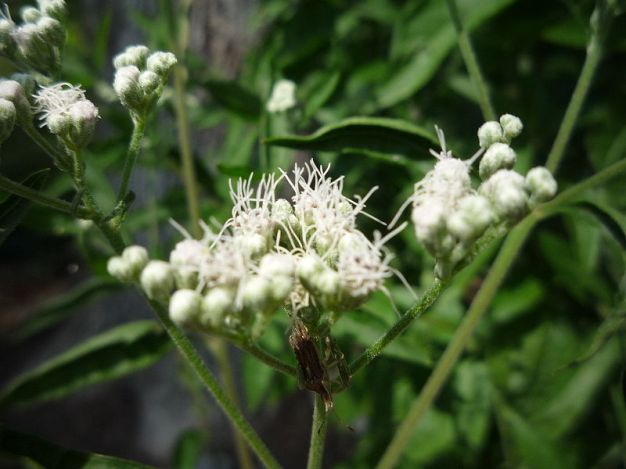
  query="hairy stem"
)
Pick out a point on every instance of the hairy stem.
point(600, 22)
point(428, 298)
point(318, 434)
point(471, 62)
point(233, 413)
point(455, 348)
point(13, 187)
point(134, 147)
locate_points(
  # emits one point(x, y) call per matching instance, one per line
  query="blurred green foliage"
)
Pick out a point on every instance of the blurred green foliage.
point(542, 382)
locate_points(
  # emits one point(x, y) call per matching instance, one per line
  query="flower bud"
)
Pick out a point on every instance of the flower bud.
point(118, 267)
point(273, 265)
point(27, 81)
point(161, 63)
point(53, 8)
point(7, 41)
point(471, 218)
point(308, 267)
point(59, 123)
point(157, 280)
point(185, 307)
point(283, 96)
point(133, 55)
point(137, 258)
point(7, 119)
point(327, 283)
point(281, 211)
point(126, 85)
point(511, 126)
point(280, 287)
point(51, 31)
point(506, 192)
point(30, 14)
point(83, 115)
point(489, 133)
point(253, 244)
point(540, 184)
point(186, 259)
point(216, 304)
point(149, 82)
point(498, 156)
point(256, 293)
point(12, 91)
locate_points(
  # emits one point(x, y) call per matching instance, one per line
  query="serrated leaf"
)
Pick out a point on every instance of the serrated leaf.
point(51, 456)
point(235, 98)
point(14, 208)
point(426, 61)
point(105, 357)
point(378, 134)
point(62, 306)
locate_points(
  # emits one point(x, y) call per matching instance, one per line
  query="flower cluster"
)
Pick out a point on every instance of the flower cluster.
point(39, 40)
point(450, 215)
point(140, 77)
point(305, 254)
point(283, 96)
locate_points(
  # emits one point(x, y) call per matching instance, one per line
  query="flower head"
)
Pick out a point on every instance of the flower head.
point(283, 96)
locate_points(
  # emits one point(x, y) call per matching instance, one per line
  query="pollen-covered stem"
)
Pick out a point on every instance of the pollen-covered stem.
point(134, 147)
point(603, 14)
point(318, 434)
point(427, 299)
point(233, 413)
point(455, 348)
point(471, 62)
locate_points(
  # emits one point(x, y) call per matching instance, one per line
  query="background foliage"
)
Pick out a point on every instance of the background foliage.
point(542, 382)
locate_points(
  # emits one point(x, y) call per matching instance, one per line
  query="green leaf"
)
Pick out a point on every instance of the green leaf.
point(378, 134)
point(188, 449)
point(473, 410)
point(14, 208)
point(59, 308)
point(318, 91)
point(257, 380)
point(108, 356)
point(235, 98)
point(528, 447)
point(426, 61)
point(51, 456)
point(612, 219)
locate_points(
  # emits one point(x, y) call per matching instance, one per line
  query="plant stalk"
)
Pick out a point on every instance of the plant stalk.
point(600, 22)
point(318, 434)
point(134, 147)
point(233, 413)
point(471, 62)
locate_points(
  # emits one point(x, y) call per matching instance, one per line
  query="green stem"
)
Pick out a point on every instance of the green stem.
point(235, 416)
point(134, 147)
point(12, 187)
point(455, 348)
point(471, 62)
point(318, 434)
point(267, 358)
point(428, 298)
point(600, 21)
point(184, 142)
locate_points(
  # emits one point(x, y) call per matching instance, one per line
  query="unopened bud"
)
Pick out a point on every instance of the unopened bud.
point(137, 258)
point(540, 184)
point(216, 304)
point(252, 245)
point(157, 280)
point(185, 307)
point(51, 31)
point(30, 14)
point(471, 218)
point(308, 267)
point(133, 55)
point(7, 119)
point(256, 293)
point(498, 156)
point(27, 81)
point(53, 8)
point(272, 265)
point(505, 189)
point(149, 82)
point(489, 133)
point(327, 283)
point(12, 91)
point(126, 85)
point(281, 211)
point(511, 126)
point(7, 41)
point(84, 115)
point(161, 63)
point(118, 267)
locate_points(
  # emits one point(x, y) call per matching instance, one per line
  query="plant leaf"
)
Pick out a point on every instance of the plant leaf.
point(52, 456)
point(188, 449)
point(377, 134)
point(318, 92)
point(111, 355)
point(425, 63)
point(609, 217)
point(13, 208)
point(235, 98)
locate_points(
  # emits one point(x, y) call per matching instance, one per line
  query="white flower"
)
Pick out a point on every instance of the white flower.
point(511, 125)
point(185, 307)
point(157, 280)
point(136, 257)
point(489, 133)
point(283, 96)
point(498, 156)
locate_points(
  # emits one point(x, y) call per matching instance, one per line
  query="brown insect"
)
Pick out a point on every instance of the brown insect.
point(311, 372)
